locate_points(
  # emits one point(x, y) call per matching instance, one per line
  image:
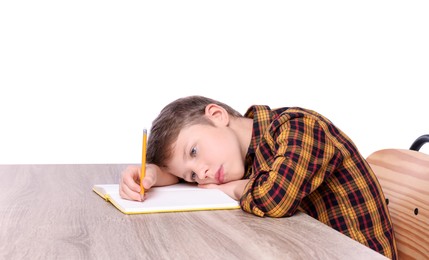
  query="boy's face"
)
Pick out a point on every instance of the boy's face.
point(207, 154)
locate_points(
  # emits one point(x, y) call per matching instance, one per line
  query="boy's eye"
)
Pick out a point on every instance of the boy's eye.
point(193, 152)
point(193, 176)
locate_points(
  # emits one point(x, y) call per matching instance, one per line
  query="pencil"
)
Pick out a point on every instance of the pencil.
point(143, 170)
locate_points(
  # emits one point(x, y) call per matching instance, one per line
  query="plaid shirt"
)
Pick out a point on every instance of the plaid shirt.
point(299, 160)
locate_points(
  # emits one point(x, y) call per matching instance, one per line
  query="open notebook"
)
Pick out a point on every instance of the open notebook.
point(178, 197)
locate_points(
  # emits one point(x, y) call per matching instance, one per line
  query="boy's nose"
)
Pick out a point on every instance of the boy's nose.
point(202, 174)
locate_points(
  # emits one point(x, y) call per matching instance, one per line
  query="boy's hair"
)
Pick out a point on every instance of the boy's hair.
point(181, 113)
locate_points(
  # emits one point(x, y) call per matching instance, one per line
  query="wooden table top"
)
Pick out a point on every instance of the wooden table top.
point(51, 212)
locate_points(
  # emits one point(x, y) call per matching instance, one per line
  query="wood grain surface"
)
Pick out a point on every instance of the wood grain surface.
point(404, 178)
point(50, 212)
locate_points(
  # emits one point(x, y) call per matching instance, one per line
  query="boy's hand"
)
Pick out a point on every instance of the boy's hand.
point(129, 185)
point(234, 189)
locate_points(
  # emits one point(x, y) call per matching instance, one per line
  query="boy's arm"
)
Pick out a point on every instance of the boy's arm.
point(163, 177)
point(234, 189)
point(277, 190)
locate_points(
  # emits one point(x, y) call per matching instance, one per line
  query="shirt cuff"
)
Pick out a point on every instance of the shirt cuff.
point(247, 203)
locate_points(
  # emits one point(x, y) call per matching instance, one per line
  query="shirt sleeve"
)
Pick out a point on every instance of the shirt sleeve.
point(293, 159)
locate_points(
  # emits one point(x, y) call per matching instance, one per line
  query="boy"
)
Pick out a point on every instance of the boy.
point(274, 161)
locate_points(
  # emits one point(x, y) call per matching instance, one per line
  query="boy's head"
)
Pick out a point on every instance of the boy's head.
point(174, 117)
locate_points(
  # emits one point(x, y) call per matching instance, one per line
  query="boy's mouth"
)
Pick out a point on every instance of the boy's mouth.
point(219, 175)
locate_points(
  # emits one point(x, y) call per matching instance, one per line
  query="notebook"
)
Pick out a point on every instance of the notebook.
point(173, 198)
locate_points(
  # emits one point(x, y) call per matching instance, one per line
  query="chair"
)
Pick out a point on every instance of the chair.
point(419, 142)
point(404, 178)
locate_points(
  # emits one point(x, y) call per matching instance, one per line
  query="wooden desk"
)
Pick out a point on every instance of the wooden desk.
point(50, 212)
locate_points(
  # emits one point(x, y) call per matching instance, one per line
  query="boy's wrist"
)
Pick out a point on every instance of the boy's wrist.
point(239, 188)
point(164, 178)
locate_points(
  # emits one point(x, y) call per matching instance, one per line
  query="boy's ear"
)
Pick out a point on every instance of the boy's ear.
point(217, 114)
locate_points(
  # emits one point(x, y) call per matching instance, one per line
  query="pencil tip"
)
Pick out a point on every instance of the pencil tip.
point(144, 130)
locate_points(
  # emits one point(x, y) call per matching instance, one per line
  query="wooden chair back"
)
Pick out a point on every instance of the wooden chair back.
point(404, 177)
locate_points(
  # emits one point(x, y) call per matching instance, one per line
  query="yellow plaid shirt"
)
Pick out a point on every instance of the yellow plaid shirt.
point(299, 160)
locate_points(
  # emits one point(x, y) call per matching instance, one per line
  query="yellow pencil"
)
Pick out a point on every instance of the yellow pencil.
point(143, 170)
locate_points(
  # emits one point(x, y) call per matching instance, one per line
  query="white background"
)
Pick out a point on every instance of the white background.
point(79, 80)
